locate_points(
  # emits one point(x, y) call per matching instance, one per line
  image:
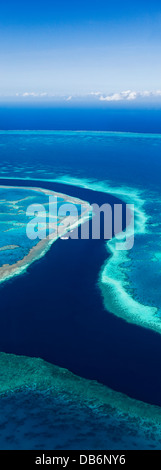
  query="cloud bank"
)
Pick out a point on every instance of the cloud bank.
point(130, 95)
point(32, 94)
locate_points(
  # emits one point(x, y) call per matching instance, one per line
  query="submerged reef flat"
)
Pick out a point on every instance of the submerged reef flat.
point(124, 164)
point(8, 247)
point(129, 281)
point(34, 374)
point(14, 201)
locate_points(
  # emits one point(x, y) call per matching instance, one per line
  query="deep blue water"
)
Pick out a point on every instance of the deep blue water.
point(55, 311)
point(104, 118)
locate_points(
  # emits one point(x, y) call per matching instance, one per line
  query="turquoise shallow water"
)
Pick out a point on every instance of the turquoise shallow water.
point(127, 166)
point(27, 216)
point(13, 220)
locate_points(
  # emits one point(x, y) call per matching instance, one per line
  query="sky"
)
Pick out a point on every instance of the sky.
point(106, 51)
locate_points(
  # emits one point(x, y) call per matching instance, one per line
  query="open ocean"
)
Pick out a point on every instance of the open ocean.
point(63, 309)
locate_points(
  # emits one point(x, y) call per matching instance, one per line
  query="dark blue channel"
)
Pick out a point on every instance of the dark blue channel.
point(55, 311)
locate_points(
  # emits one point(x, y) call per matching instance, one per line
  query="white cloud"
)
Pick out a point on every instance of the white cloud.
point(127, 95)
point(69, 98)
point(95, 93)
point(32, 94)
point(29, 94)
point(130, 95)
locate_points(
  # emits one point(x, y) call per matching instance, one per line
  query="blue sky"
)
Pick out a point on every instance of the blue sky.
point(70, 49)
